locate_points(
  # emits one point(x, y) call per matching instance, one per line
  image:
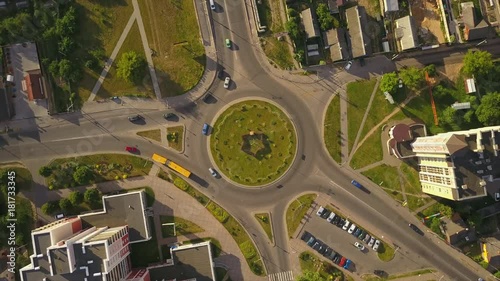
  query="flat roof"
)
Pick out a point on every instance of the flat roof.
point(355, 21)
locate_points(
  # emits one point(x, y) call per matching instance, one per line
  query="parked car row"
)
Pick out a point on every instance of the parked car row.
point(351, 228)
point(325, 251)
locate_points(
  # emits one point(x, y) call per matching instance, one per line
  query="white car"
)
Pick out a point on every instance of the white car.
point(330, 217)
point(346, 225)
point(213, 172)
point(320, 211)
point(348, 65)
point(227, 81)
point(359, 246)
point(370, 244)
point(376, 245)
point(351, 229)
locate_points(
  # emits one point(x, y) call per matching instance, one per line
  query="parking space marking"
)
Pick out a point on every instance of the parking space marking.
point(281, 276)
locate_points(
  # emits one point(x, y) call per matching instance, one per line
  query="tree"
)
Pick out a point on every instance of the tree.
point(76, 197)
point(389, 82)
point(310, 276)
point(324, 17)
point(50, 207)
point(431, 70)
point(66, 26)
point(82, 175)
point(44, 171)
point(131, 66)
point(91, 196)
point(412, 77)
point(292, 28)
point(488, 111)
point(478, 63)
point(66, 45)
point(65, 204)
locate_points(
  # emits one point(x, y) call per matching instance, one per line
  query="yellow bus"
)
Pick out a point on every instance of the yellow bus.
point(159, 159)
point(178, 169)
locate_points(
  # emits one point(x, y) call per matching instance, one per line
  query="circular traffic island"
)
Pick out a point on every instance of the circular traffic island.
point(253, 143)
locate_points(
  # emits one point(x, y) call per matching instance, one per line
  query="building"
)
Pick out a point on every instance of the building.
point(456, 231)
point(333, 5)
point(311, 27)
point(490, 250)
point(391, 6)
point(33, 85)
point(401, 136)
point(334, 40)
point(474, 29)
point(470, 86)
point(359, 41)
point(406, 33)
point(460, 165)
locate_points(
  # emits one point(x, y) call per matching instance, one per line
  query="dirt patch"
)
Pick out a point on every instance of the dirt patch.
point(451, 70)
point(427, 17)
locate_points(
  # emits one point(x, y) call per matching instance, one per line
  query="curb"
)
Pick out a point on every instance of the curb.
point(273, 242)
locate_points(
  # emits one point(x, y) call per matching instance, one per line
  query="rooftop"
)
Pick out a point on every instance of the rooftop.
point(334, 39)
point(356, 19)
point(406, 33)
point(310, 25)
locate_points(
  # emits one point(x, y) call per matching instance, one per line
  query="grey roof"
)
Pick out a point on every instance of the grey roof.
point(310, 25)
point(188, 263)
point(356, 19)
point(333, 6)
point(120, 210)
point(334, 39)
point(474, 29)
point(391, 5)
point(406, 33)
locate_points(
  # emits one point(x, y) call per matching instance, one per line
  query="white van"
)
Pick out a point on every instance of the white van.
point(59, 216)
point(212, 5)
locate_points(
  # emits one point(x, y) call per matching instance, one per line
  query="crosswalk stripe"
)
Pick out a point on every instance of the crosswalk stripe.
point(281, 276)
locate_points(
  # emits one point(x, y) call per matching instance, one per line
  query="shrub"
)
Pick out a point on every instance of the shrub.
point(219, 213)
point(76, 198)
point(248, 249)
point(65, 204)
point(50, 207)
point(91, 196)
point(45, 171)
point(180, 183)
point(83, 175)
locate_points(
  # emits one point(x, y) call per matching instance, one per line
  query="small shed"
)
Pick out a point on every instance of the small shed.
point(470, 86)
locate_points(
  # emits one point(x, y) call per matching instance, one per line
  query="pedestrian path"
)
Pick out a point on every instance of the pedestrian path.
point(281, 276)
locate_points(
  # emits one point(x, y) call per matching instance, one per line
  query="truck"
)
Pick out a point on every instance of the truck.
point(172, 165)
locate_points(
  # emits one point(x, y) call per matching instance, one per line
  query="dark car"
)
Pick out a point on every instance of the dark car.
point(135, 118)
point(311, 241)
point(221, 74)
point(305, 236)
point(336, 220)
point(362, 62)
point(321, 248)
point(362, 235)
point(416, 229)
point(317, 245)
point(380, 273)
point(357, 232)
point(327, 252)
point(332, 255)
point(169, 115)
point(337, 258)
point(341, 222)
point(326, 214)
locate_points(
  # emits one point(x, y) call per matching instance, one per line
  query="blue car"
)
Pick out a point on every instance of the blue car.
point(356, 184)
point(347, 264)
point(205, 129)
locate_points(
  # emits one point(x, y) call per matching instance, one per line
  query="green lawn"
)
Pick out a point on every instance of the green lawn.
point(240, 237)
point(369, 152)
point(144, 253)
point(175, 137)
point(413, 273)
point(358, 95)
point(174, 36)
point(151, 134)
point(332, 131)
point(104, 167)
point(296, 211)
point(22, 178)
point(115, 86)
point(388, 178)
point(311, 262)
point(182, 226)
point(257, 159)
point(265, 221)
point(385, 252)
point(379, 109)
point(216, 246)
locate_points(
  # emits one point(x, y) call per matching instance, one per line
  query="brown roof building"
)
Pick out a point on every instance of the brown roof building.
point(34, 85)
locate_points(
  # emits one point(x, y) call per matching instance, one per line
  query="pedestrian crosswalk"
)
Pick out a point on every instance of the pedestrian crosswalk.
point(281, 276)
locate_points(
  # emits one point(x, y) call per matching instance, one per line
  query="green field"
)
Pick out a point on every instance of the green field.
point(175, 137)
point(151, 134)
point(332, 133)
point(297, 210)
point(253, 143)
point(358, 95)
point(368, 153)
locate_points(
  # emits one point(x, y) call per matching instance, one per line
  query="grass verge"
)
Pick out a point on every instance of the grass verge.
point(182, 226)
point(385, 252)
point(379, 109)
point(151, 134)
point(358, 94)
point(175, 137)
point(413, 273)
point(369, 152)
point(164, 175)
point(22, 178)
point(311, 262)
point(145, 253)
point(332, 134)
point(296, 211)
point(183, 185)
point(265, 221)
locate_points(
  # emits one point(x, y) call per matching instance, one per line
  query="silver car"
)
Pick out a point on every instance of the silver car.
point(227, 81)
point(370, 244)
point(346, 225)
point(376, 245)
point(351, 229)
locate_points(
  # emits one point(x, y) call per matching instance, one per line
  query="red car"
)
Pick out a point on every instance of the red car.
point(342, 261)
point(131, 149)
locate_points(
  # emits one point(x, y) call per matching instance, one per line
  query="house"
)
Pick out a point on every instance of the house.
point(490, 250)
point(401, 136)
point(311, 27)
point(456, 230)
point(406, 33)
point(33, 85)
point(391, 6)
point(359, 41)
point(460, 165)
point(334, 40)
point(333, 5)
point(474, 29)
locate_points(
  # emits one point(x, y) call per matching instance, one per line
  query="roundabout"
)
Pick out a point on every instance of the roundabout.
point(253, 143)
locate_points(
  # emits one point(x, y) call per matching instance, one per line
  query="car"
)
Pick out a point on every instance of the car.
point(351, 229)
point(332, 255)
point(336, 220)
point(346, 225)
point(320, 211)
point(359, 246)
point(228, 43)
point(311, 241)
point(305, 236)
point(213, 172)
point(372, 240)
point(416, 229)
point(341, 222)
point(356, 184)
point(135, 118)
point(317, 245)
point(348, 65)
point(169, 115)
point(59, 216)
point(376, 245)
point(367, 238)
point(326, 214)
point(362, 62)
point(321, 249)
point(212, 5)
point(227, 81)
point(497, 196)
point(362, 235)
point(379, 272)
point(347, 264)
point(337, 258)
point(221, 74)
point(357, 232)
point(327, 252)
point(205, 129)
point(330, 217)
point(342, 261)
point(131, 149)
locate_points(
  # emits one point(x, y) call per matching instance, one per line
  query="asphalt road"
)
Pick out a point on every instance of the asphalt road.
point(110, 131)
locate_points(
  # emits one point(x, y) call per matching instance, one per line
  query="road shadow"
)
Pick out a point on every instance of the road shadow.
point(199, 180)
point(209, 99)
